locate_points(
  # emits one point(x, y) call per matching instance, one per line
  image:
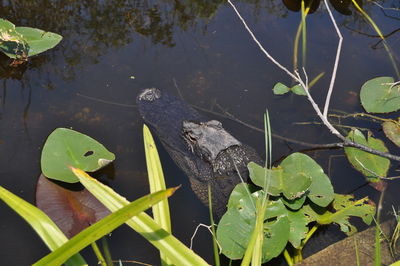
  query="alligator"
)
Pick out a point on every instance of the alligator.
point(201, 147)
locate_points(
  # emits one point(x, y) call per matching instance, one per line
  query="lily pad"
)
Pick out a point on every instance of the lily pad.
point(370, 165)
point(298, 169)
point(12, 43)
point(65, 147)
point(392, 131)
point(298, 227)
point(237, 224)
point(72, 211)
point(380, 95)
point(22, 42)
point(265, 178)
point(38, 40)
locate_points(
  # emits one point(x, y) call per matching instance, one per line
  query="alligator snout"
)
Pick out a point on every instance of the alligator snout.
point(149, 94)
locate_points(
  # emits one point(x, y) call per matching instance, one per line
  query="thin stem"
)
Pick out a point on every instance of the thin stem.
point(339, 48)
point(99, 256)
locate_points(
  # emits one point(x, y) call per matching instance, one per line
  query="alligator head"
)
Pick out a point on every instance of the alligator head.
point(207, 139)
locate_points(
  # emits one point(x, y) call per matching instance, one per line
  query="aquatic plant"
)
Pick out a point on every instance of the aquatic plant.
point(20, 43)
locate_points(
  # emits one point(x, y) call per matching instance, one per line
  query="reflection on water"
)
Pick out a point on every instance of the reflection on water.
point(195, 49)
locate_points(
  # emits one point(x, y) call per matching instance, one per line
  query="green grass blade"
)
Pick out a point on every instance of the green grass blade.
point(156, 180)
point(102, 227)
point(378, 31)
point(40, 222)
point(144, 225)
point(215, 245)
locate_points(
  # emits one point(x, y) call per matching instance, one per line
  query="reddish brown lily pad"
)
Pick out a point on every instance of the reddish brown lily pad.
point(71, 210)
point(392, 131)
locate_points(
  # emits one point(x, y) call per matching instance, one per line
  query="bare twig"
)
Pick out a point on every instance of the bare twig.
point(339, 48)
point(296, 76)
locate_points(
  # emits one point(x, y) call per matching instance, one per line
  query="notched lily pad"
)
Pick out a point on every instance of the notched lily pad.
point(65, 147)
point(72, 211)
point(370, 165)
point(265, 178)
point(22, 42)
point(392, 131)
point(380, 95)
point(237, 224)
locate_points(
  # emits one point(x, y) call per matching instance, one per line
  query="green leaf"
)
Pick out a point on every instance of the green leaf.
point(267, 179)
point(41, 223)
point(299, 90)
point(38, 40)
point(280, 89)
point(12, 43)
point(368, 164)
point(103, 227)
point(392, 131)
point(378, 95)
point(156, 180)
point(298, 227)
point(294, 204)
point(237, 225)
point(345, 206)
point(65, 147)
point(143, 224)
point(297, 175)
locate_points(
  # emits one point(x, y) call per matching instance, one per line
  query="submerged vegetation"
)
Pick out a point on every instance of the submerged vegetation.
point(275, 214)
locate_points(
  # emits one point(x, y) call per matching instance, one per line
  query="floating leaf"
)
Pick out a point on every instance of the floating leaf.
point(298, 169)
point(72, 211)
point(298, 227)
point(294, 204)
point(12, 43)
point(237, 224)
point(280, 89)
point(267, 179)
point(368, 164)
point(38, 40)
point(345, 206)
point(392, 131)
point(379, 95)
point(299, 90)
point(65, 147)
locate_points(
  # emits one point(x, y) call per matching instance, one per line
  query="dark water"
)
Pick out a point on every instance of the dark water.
point(197, 50)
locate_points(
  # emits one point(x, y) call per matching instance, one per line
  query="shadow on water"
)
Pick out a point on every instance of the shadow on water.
point(197, 50)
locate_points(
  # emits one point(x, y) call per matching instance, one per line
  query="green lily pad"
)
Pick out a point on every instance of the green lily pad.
point(236, 226)
point(265, 178)
point(378, 95)
point(22, 42)
point(392, 131)
point(368, 164)
point(38, 40)
point(294, 204)
point(12, 43)
point(298, 227)
point(297, 175)
point(65, 147)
